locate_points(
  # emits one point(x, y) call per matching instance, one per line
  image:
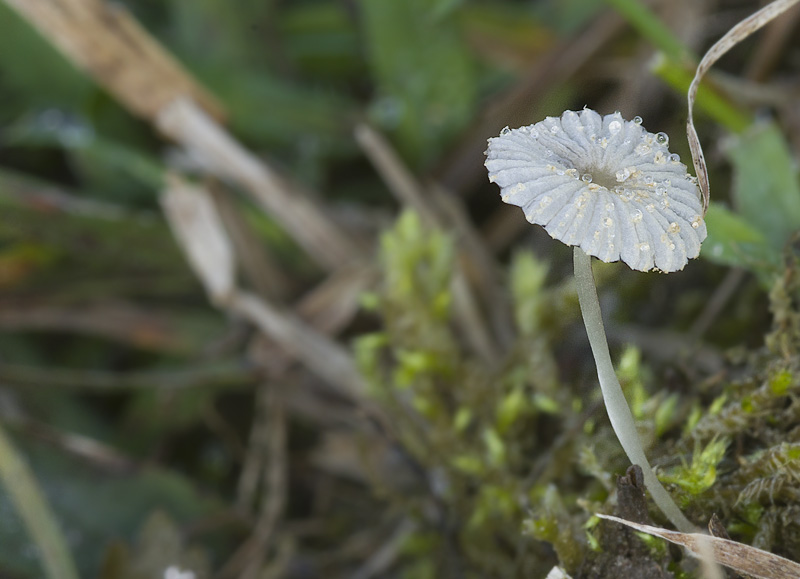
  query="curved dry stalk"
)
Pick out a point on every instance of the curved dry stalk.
point(734, 36)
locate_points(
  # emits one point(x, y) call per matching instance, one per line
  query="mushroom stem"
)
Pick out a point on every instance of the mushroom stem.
point(617, 407)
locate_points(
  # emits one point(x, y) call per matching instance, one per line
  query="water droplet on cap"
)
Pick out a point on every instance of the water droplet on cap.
point(623, 174)
point(674, 227)
point(675, 158)
point(505, 131)
point(637, 120)
point(608, 222)
point(614, 127)
point(637, 216)
point(586, 178)
point(696, 222)
point(662, 138)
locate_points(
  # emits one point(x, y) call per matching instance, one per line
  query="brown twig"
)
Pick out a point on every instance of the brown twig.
point(464, 167)
point(268, 439)
point(404, 186)
point(183, 121)
point(220, 374)
point(119, 321)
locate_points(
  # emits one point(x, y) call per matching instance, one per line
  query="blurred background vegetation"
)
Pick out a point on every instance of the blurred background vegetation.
point(171, 436)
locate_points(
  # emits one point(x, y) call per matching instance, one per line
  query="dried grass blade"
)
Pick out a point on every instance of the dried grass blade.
point(738, 556)
point(27, 497)
point(734, 36)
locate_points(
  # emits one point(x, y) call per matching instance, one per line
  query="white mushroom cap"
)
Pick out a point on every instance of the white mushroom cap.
point(604, 184)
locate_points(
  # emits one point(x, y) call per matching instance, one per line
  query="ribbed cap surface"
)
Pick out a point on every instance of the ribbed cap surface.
point(604, 184)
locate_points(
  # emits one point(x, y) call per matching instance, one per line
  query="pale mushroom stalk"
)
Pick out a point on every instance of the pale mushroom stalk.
point(617, 407)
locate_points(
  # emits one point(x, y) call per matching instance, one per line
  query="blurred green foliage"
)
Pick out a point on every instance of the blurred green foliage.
point(502, 464)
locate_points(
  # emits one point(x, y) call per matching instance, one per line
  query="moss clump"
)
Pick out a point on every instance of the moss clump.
point(515, 459)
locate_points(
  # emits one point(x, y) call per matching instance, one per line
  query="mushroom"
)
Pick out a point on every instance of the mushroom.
point(612, 190)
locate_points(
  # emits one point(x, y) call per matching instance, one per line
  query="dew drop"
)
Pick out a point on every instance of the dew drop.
point(637, 120)
point(650, 208)
point(696, 222)
point(554, 129)
point(505, 131)
point(586, 178)
point(642, 149)
point(623, 174)
point(648, 180)
point(608, 222)
point(665, 203)
point(614, 127)
point(572, 172)
point(661, 191)
point(675, 158)
point(534, 133)
point(637, 216)
point(659, 158)
point(549, 153)
point(609, 207)
point(674, 227)
point(662, 138)
point(671, 246)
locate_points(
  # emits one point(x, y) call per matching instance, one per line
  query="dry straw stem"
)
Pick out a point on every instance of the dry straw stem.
point(267, 457)
point(192, 216)
point(21, 486)
point(102, 39)
point(105, 41)
point(223, 156)
point(734, 36)
point(742, 558)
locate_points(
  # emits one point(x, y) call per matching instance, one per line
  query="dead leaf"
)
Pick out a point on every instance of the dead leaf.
point(738, 556)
